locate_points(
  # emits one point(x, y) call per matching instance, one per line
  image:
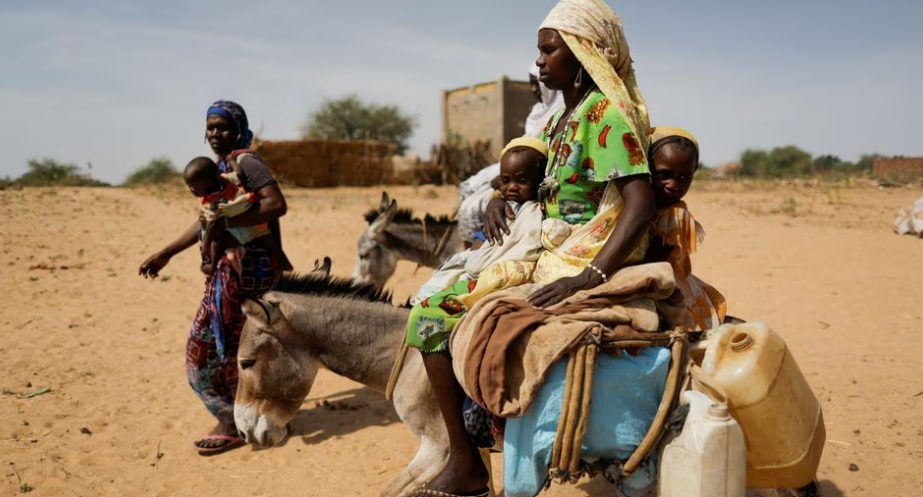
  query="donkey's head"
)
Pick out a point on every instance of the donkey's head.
point(377, 262)
point(276, 373)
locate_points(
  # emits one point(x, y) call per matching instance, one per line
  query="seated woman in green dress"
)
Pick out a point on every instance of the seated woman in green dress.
point(597, 183)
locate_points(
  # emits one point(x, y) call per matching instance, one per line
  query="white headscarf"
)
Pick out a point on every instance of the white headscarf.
point(541, 112)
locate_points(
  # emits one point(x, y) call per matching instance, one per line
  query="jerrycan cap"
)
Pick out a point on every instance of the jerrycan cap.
point(741, 341)
point(718, 412)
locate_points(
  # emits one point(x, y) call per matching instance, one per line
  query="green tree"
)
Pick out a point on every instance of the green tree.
point(48, 172)
point(349, 118)
point(158, 170)
point(789, 161)
point(867, 161)
point(780, 162)
point(826, 164)
point(754, 163)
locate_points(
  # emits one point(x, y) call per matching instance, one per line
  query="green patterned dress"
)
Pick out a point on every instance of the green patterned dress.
point(597, 146)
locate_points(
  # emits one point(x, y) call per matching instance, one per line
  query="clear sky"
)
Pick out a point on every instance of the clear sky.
point(117, 82)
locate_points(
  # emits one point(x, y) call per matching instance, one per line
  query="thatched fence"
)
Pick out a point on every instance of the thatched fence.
point(453, 163)
point(899, 169)
point(322, 163)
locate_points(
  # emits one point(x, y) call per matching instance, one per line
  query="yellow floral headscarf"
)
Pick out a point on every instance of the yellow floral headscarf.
point(594, 34)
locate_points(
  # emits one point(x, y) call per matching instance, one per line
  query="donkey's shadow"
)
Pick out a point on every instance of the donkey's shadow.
point(341, 413)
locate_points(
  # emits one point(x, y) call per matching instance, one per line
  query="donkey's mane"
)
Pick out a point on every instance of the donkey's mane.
point(328, 286)
point(405, 216)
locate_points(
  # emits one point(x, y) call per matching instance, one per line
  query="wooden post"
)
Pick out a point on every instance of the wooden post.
point(498, 140)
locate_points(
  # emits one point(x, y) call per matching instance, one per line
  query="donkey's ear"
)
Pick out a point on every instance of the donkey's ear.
point(391, 211)
point(385, 201)
point(381, 222)
point(322, 270)
point(273, 310)
point(255, 310)
point(264, 312)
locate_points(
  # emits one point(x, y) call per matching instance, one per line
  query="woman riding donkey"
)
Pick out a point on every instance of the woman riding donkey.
point(211, 350)
point(596, 164)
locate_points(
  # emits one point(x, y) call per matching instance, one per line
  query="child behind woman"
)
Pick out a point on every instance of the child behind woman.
point(673, 158)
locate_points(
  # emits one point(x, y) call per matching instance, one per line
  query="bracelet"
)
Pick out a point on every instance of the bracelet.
point(599, 271)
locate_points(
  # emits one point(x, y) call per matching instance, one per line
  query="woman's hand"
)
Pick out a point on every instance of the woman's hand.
point(270, 205)
point(562, 288)
point(151, 267)
point(495, 220)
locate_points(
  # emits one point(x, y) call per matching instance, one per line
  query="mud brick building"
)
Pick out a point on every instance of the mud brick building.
point(494, 111)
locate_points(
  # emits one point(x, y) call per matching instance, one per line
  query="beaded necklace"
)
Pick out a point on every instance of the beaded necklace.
point(551, 184)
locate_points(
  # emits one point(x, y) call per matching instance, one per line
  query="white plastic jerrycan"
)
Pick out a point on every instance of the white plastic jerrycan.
point(771, 399)
point(708, 459)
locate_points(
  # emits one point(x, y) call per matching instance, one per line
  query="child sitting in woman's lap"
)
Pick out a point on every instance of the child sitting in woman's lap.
point(522, 166)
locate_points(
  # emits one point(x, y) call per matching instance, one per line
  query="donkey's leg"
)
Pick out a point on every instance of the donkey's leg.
point(430, 458)
point(415, 404)
point(425, 464)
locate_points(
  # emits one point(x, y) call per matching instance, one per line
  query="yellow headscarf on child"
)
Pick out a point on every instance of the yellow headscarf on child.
point(661, 132)
point(594, 34)
point(528, 142)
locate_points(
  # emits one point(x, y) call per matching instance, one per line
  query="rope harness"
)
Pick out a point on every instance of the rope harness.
point(566, 466)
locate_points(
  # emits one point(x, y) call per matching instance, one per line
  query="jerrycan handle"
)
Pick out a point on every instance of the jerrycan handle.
point(703, 383)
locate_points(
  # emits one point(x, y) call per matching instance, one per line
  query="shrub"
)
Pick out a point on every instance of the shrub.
point(159, 170)
point(780, 162)
point(49, 172)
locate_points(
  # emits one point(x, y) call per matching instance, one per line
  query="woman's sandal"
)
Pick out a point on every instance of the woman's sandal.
point(426, 492)
point(229, 442)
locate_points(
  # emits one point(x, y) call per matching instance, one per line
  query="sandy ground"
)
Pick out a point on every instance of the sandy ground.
point(819, 264)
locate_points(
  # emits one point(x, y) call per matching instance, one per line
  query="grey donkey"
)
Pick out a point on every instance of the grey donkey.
point(394, 234)
point(312, 321)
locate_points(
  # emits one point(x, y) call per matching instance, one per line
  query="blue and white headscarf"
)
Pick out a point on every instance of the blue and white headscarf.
point(233, 112)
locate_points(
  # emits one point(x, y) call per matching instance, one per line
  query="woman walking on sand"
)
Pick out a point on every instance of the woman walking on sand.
point(211, 350)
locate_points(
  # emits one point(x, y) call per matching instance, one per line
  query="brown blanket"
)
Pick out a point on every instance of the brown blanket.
point(502, 350)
